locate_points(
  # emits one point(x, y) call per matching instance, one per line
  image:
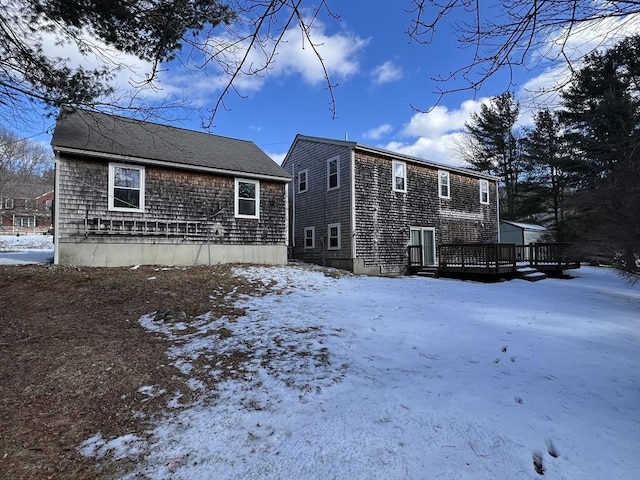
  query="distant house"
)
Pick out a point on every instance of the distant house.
point(359, 208)
point(132, 192)
point(26, 215)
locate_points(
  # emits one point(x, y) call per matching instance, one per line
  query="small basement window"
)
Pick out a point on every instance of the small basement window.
point(126, 187)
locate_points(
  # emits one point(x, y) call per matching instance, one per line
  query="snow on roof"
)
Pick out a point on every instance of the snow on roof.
point(525, 226)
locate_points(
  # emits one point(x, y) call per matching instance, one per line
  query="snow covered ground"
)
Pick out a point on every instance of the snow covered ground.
point(23, 249)
point(405, 378)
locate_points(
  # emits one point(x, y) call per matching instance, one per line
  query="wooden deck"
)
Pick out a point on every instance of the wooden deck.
point(496, 258)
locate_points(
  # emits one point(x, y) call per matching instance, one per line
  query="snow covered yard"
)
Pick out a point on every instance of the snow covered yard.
point(25, 249)
point(407, 378)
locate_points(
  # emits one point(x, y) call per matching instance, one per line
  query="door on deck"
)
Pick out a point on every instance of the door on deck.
point(426, 238)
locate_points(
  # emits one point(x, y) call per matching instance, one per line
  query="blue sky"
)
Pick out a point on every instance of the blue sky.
point(381, 78)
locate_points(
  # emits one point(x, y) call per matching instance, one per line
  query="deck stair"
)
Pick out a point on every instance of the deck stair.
point(431, 272)
point(530, 274)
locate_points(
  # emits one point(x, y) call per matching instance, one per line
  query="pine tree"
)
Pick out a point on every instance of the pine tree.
point(548, 171)
point(498, 152)
point(602, 111)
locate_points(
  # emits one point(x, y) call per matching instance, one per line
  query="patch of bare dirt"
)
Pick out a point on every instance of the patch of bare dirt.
point(73, 356)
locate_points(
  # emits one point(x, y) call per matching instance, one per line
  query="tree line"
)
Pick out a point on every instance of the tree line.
point(577, 169)
point(26, 167)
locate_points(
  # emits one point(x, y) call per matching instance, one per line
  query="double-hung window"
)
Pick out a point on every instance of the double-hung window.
point(484, 191)
point(333, 173)
point(302, 180)
point(444, 186)
point(247, 198)
point(25, 221)
point(333, 234)
point(399, 176)
point(126, 187)
point(309, 238)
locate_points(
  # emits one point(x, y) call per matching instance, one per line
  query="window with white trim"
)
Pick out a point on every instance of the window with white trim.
point(484, 191)
point(333, 236)
point(309, 238)
point(444, 187)
point(399, 176)
point(126, 187)
point(247, 198)
point(333, 173)
point(8, 203)
point(302, 180)
point(25, 221)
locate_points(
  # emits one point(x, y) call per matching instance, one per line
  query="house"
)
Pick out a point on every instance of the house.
point(25, 215)
point(133, 192)
point(359, 208)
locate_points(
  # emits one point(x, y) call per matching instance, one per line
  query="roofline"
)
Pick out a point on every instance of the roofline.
point(164, 163)
point(71, 110)
point(390, 153)
point(422, 161)
point(515, 223)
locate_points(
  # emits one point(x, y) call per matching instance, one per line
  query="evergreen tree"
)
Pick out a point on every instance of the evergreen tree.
point(497, 148)
point(548, 167)
point(602, 111)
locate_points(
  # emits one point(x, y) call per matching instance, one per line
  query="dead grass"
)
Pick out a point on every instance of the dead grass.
point(72, 357)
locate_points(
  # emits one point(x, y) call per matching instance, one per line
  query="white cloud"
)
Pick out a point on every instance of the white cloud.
point(563, 46)
point(278, 157)
point(435, 133)
point(195, 80)
point(378, 132)
point(387, 72)
point(441, 120)
point(440, 149)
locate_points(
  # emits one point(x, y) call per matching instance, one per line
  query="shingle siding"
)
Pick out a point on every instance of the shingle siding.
point(318, 207)
point(170, 195)
point(383, 217)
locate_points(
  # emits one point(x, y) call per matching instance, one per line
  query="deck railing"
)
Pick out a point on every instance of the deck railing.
point(497, 258)
point(556, 255)
point(415, 256)
point(490, 257)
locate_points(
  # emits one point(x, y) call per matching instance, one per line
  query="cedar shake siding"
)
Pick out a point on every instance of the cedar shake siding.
point(320, 207)
point(376, 216)
point(189, 214)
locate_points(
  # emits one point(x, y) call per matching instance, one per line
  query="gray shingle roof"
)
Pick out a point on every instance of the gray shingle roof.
point(143, 141)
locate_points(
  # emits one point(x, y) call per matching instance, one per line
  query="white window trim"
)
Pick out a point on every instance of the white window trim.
point(329, 227)
point(304, 172)
point(337, 160)
point(440, 184)
point(394, 176)
point(237, 198)
point(110, 193)
point(30, 221)
point(313, 238)
point(486, 185)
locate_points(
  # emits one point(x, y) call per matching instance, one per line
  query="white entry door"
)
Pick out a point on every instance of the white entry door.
point(426, 238)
